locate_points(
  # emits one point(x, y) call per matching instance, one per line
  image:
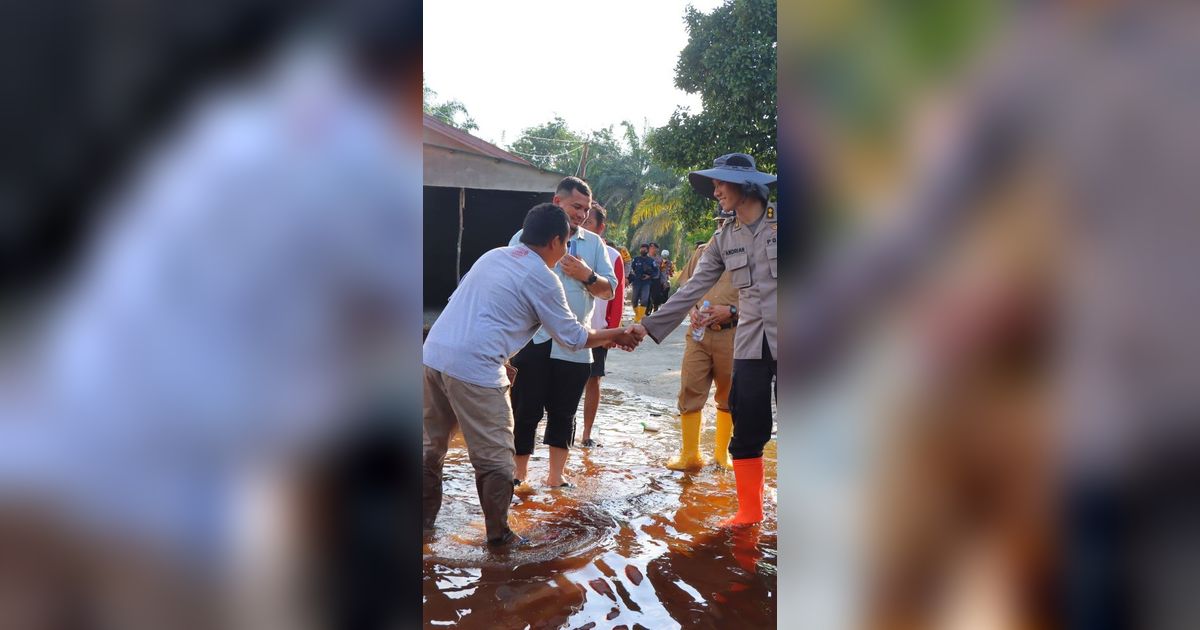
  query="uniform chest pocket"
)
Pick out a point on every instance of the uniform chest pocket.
point(738, 266)
point(772, 257)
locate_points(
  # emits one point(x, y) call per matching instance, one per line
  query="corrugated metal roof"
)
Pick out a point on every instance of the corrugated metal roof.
point(453, 138)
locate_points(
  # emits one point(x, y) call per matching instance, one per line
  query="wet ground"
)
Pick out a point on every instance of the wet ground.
point(633, 545)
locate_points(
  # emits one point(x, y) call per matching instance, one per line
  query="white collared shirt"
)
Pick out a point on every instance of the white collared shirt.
point(589, 247)
point(508, 293)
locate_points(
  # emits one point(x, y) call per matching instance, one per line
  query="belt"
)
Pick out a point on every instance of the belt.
point(726, 326)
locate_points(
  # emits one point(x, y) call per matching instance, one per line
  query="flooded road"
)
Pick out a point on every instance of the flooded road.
point(633, 545)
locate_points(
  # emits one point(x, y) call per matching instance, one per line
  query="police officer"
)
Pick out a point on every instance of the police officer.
point(747, 248)
point(645, 276)
point(706, 361)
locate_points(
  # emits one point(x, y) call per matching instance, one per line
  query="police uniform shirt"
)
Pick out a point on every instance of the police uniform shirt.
point(750, 257)
point(721, 293)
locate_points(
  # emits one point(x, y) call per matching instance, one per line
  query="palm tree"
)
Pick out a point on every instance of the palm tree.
point(619, 178)
point(657, 212)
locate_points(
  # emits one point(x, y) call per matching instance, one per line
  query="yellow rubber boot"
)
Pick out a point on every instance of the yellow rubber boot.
point(721, 443)
point(638, 313)
point(689, 454)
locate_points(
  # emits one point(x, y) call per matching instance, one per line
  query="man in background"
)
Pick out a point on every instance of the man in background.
point(606, 315)
point(707, 361)
point(551, 378)
point(498, 306)
point(645, 273)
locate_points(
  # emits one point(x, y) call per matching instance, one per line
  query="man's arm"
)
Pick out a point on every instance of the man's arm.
point(549, 302)
point(623, 337)
point(668, 316)
point(578, 269)
point(557, 319)
point(686, 274)
point(602, 288)
point(605, 286)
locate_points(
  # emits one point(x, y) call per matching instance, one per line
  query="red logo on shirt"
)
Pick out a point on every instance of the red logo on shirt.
point(519, 252)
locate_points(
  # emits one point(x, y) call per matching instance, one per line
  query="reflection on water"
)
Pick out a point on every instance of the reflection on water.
point(634, 544)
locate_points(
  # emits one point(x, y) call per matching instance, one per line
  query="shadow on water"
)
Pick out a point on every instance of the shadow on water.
point(634, 544)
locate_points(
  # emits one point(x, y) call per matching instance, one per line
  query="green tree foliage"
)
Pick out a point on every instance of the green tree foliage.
point(617, 171)
point(666, 206)
point(552, 146)
point(619, 167)
point(451, 112)
point(621, 172)
point(697, 236)
point(730, 62)
point(646, 201)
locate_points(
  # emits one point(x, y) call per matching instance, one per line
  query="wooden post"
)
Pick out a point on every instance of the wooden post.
point(462, 203)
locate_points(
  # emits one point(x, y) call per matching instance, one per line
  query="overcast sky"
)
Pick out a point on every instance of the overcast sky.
point(509, 62)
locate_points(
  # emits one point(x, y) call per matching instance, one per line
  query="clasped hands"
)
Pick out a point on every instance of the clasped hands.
point(629, 338)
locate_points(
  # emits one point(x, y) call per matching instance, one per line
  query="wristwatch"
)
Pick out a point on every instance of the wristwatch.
point(591, 280)
point(732, 311)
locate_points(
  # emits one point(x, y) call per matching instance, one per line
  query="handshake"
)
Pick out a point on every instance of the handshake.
point(629, 338)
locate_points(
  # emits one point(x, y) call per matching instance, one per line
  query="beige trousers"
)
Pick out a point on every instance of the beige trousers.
point(710, 359)
point(485, 418)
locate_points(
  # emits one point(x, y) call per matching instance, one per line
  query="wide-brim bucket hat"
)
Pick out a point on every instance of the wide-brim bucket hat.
point(736, 168)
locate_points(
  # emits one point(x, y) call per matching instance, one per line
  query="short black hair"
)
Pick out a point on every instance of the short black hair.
point(653, 244)
point(543, 222)
point(600, 213)
point(570, 184)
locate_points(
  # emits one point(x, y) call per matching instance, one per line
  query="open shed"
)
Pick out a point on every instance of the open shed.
point(475, 197)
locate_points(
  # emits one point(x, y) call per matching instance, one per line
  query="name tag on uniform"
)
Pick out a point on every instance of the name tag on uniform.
point(736, 250)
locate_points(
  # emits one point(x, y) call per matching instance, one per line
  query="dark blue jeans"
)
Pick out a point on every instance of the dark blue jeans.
point(641, 293)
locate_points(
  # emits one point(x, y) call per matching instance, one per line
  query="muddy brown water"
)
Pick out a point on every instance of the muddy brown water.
point(633, 545)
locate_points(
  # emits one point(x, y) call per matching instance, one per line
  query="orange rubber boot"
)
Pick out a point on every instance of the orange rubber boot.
point(749, 476)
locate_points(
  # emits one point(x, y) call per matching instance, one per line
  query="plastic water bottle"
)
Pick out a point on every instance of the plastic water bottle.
point(698, 333)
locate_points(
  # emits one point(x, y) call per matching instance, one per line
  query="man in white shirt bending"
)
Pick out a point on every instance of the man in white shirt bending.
point(506, 296)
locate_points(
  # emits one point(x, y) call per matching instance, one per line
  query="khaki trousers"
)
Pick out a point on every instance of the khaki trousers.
point(710, 359)
point(485, 418)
